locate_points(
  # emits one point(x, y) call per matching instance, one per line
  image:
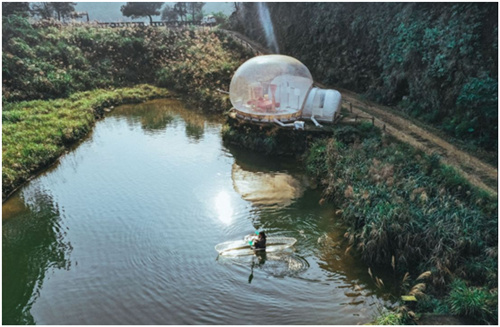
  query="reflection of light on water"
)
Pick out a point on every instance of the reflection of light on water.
point(223, 207)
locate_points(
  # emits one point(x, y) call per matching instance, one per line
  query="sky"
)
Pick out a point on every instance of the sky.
point(110, 11)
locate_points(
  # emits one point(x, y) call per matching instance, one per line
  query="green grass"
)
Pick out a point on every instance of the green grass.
point(35, 133)
point(389, 318)
point(473, 302)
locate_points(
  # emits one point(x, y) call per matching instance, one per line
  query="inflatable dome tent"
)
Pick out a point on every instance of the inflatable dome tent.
point(278, 88)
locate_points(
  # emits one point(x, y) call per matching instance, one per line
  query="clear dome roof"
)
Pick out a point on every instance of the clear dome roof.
point(272, 86)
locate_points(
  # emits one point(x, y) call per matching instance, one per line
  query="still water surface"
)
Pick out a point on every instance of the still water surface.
point(123, 229)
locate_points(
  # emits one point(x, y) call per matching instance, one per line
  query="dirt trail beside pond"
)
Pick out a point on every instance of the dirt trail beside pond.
point(472, 168)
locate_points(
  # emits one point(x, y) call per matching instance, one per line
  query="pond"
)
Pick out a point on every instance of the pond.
point(122, 231)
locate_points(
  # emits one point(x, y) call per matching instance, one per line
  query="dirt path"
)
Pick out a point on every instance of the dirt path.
point(472, 168)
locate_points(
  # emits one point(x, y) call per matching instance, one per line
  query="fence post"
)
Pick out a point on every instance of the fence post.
point(373, 121)
point(350, 106)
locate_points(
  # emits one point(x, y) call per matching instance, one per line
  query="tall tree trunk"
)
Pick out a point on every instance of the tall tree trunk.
point(150, 20)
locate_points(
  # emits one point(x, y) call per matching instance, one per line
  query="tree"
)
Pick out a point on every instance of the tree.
point(168, 14)
point(196, 10)
point(142, 9)
point(15, 8)
point(181, 9)
point(43, 10)
point(59, 10)
point(220, 17)
point(63, 9)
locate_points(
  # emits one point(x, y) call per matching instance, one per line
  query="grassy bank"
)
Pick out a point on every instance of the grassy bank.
point(408, 212)
point(49, 60)
point(35, 133)
point(53, 73)
point(267, 138)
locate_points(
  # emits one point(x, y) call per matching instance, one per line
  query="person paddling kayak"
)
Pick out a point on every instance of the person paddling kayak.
point(260, 243)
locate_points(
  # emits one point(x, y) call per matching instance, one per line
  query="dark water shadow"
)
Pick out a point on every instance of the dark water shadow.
point(33, 243)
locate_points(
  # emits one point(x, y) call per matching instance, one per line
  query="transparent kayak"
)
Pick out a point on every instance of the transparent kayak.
point(242, 247)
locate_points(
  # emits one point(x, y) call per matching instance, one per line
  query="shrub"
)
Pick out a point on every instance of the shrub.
point(316, 161)
point(398, 202)
point(50, 62)
point(472, 302)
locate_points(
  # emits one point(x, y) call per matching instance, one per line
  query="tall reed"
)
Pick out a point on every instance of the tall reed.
point(407, 209)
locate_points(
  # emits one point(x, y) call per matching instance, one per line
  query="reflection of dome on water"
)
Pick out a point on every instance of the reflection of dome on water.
point(266, 188)
point(279, 87)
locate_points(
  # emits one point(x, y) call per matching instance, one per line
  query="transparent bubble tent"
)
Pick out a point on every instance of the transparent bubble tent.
point(278, 88)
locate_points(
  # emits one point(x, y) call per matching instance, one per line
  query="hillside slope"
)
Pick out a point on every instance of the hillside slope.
point(437, 62)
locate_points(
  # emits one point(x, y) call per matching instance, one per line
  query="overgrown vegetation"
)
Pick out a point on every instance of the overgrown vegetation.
point(406, 209)
point(50, 60)
point(267, 138)
point(202, 63)
point(35, 133)
point(434, 61)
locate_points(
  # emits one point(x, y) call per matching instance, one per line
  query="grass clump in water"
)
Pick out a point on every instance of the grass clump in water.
point(35, 133)
point(389, 318)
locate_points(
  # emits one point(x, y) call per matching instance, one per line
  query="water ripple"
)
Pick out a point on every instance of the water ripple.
point(123, 231)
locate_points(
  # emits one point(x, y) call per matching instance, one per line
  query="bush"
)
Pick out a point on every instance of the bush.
point(472, 302)
point(398, 202)
point(316, 161)
point(50, 62)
